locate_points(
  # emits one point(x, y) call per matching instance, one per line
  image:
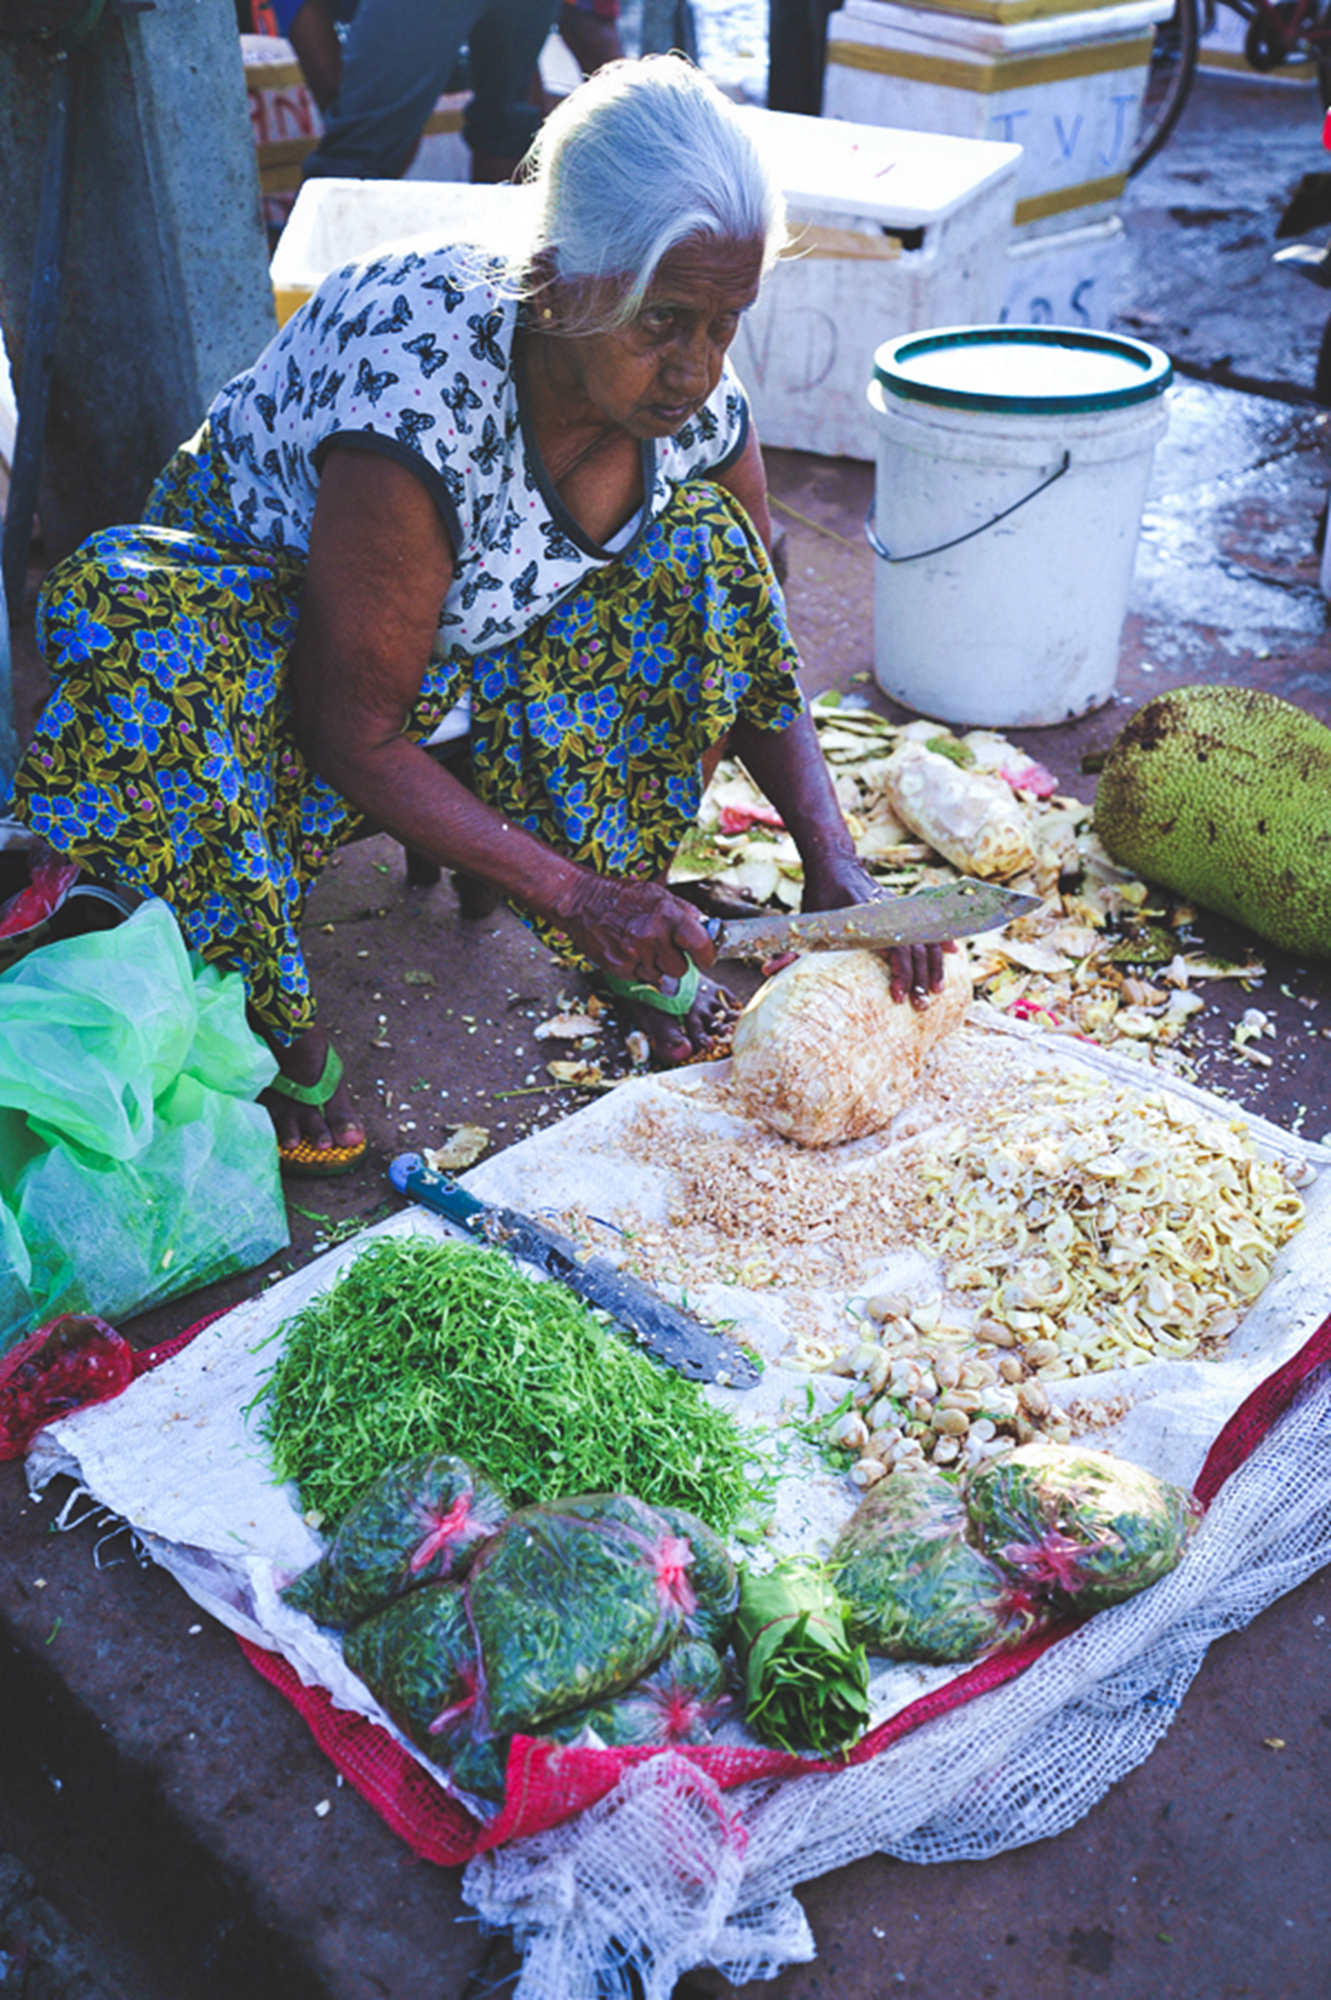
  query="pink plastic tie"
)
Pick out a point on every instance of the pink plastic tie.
point(447, 1529)
point(673, 1559)
point(1053, 1562)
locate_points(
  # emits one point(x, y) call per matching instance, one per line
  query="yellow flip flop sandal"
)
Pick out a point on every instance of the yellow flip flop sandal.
point(305, 1161)
point(677, 1003)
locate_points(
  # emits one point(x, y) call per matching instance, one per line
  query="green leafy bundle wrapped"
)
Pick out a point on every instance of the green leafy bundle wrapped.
point(806, 1685)
point(712, 1574)
point(417, 1523)
point(572, 1602)
point(672, 1704)
point(1080, 1528)
point(418, 1659)
point(912, 1585)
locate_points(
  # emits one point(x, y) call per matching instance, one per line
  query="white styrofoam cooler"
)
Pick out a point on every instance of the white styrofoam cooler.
point(334, 221)
point(893, 231)
point(1068, 279)
point(1067, 87)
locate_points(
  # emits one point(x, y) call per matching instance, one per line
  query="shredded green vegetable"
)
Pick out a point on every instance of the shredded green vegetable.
point(442, 1347)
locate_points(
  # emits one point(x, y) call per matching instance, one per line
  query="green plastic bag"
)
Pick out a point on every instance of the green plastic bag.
point(1082, 1528)
point(134, 1163)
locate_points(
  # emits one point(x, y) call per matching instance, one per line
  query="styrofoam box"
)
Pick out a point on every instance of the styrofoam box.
point(892, 231)
point(1068, 279)
point(1066, 87)
point(336, 221)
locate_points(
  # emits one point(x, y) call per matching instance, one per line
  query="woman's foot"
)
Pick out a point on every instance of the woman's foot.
point(701, 1035)
point(328, 1127)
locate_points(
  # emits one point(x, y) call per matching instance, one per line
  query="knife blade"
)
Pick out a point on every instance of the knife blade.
point(930, 916)
point(667, 1332)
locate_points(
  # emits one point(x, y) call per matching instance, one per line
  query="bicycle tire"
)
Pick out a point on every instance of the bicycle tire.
point(1169, 76)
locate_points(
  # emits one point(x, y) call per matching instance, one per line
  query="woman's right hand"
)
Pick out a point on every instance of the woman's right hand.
point(635, 930)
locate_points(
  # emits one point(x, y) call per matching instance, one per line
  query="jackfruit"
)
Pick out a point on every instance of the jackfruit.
point(1223, 795)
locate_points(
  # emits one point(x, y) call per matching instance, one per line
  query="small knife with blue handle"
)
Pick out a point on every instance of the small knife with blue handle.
point(668, 1332)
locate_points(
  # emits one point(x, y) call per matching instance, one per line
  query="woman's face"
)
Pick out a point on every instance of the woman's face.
point(650, 376)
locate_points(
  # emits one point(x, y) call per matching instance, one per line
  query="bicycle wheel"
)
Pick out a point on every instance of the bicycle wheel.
point(1168, 80)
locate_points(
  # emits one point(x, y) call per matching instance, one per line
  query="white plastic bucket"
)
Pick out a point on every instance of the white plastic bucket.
point(1012, 471)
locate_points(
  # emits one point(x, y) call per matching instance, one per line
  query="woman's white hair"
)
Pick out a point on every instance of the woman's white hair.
point(641, 157)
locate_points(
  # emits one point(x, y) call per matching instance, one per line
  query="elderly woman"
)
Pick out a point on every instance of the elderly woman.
point(518, 498)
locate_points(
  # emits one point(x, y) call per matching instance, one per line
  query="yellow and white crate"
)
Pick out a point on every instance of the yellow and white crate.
point(1065, 84)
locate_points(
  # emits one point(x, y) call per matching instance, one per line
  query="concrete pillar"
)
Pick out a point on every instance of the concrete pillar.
point(165, 290)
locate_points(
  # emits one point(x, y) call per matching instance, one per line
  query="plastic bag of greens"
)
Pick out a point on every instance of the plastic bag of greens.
point(1080, 1528)
point(911, 1584)
point(806, 1685)
point(674, 1703)
point(418, 1659)
point(478, 1770)
point(417, 1523)
point(712, 1574)
point(573, 1601)
point(134, 1163)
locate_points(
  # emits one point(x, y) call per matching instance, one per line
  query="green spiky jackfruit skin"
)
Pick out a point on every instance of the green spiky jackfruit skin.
point(1223, 795)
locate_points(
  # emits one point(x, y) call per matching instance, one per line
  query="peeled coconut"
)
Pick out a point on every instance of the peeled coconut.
point(822, 1053)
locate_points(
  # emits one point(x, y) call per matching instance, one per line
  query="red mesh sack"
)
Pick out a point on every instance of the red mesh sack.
point(65, 1365)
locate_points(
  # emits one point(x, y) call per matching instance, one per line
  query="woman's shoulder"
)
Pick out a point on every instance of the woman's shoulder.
point(407, 289)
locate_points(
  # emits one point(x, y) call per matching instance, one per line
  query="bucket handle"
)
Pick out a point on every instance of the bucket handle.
point(879, 550)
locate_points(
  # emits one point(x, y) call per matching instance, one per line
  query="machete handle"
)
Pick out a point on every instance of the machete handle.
point(410, 1175)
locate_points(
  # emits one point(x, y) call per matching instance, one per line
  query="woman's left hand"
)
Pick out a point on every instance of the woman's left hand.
point(788, 765)
point(841, 880)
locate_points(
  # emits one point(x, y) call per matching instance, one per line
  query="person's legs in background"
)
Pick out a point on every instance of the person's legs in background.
point(311, 29)
point(504, 50)
point(397, 58)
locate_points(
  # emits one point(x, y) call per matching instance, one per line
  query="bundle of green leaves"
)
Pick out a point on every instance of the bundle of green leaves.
point(806, 1686)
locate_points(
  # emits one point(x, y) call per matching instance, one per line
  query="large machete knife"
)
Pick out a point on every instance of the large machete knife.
point(930, 916)
point(671, 1334)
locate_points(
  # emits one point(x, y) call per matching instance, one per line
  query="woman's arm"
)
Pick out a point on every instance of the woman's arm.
point(789, 767)
point(380, 565)
point(746, 478)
